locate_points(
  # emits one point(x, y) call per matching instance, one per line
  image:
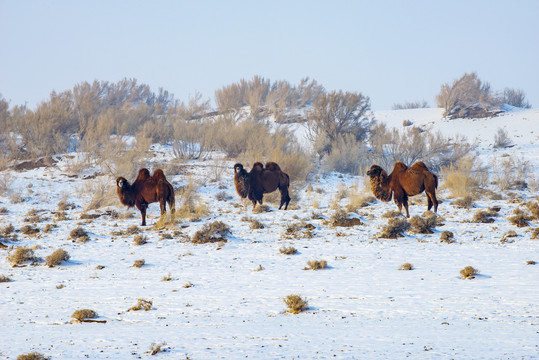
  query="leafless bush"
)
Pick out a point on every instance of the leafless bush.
point(213, 232)
point(468, 272)
point(509, 172)
point(140, 240)
point(316, 265)
point(142, 304)
point(21, 255)
point(501, 139)
point(395, 228)
point(102, 193)
point(347, 155)
point(515, 97)
point(482, 216)
point(295, 304)
point(520, 218)
point(288, 250)
point(411, 144)
point(56, 258)
point(335, 114)
point(79, 235)
point(423, 224)
point(84, 314)
point(467, 97)
point(411, 105)
point(465, 177)
point(32, 356)
point(447, 237)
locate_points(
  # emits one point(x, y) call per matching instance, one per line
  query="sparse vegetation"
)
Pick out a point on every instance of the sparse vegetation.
point(140, 240)
point(142, 304)
point(56, 258)
point(32, 356)
point(156, 348)
point(79, 235)
point(214, 232)
point(316, 265)
point(84, 314)
point(468, 272)
point(406, 266)
point(4, 278)
point(255, 224)
point(483, 216)
point(447, 237)
point(288, 250)
point(295, 304)
point(424, 224)
point(520, 218)
point(139, 263)
point(340, 218)
point(21, 255)
point(395, 228)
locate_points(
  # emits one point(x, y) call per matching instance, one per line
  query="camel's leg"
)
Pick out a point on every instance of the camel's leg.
point(433, 201)
point(429, 202)
point(406, 208)
point(143, 214)
point(163, 205)
point(285, 199)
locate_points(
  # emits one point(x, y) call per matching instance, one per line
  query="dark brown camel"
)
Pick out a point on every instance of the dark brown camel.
point(261, 180)
point(145, 190)
point(403, 182)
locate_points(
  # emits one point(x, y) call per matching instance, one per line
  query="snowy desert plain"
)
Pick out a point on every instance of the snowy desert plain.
point(225, 300)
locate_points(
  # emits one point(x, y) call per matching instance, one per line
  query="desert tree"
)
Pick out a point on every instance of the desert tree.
point(515, 97)
point(468, 91)
point(335, 114)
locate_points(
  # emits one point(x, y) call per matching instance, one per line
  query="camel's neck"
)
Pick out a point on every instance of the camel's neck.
point(380, 188)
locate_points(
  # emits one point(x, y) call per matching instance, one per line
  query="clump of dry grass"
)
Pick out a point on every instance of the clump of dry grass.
point(167, 278)
point(530, 262)
point(155, 348)
point(60, 215)
point(288, 250)
point(535, 233)
point(79, 235)
point(395, 228)
point(447, 237)
point(32, 356)
point(261, 208)
point(340, 218)
point(132, 230)
point(424, 224)
point(295, 304)
point(255, 224)
point(391, 214)
point(3, 210)
point(468, 272)
point(140, 240)
point(214, 232)
point(139, 263)
point(520, 218)
point(189, 204)
point(142, 305)
point(406, 266)
point(188, 285)
point(4, 278)
point(63, 205)
point(465, 177)
point(56, 258)
point(299, 230)
point(534, 210)
point(8, 230)
point(21, 255)
point(316, 265)
point(507, 237)
point(29, 230)
point(358, 198)
point(84, 314)
point(483, 217)
point(463, 203)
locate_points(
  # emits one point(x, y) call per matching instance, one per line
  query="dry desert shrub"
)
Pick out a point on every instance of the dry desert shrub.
point(29, 230)
point(468, 272)
point(189, 204)
point(188, 285)
point(79, 235)
point(464, 178)
point(530, 262)
point(56, 258)
point(167, 277)
point(295, 304)
point(533, 207)
point(520, 218)
point(103, 194)
point(508, 173)
point(483, 217)
point(4, 278)
point(222, 196)
point(255, 224)
point(142, 305)
point(340, 218)
point(32, 356)
point(391, 214)
point(84, 314)
point(463, 203)
point(261, 208)
point(214, 232)
point(156, 348)
point(424, 224)
point(21, 255)
point(316, 265)
point(140, 239)
point(395, 228)
point(447, 237)
point(507, 237)
point(299, 230)
point(3, 210)
point(139, 263)
point(288, 250)
point(535, 233)
point(406, 266)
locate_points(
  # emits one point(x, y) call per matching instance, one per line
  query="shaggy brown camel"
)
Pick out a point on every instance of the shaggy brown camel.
point(403, 182)
point(145, 190)
point(261, 180)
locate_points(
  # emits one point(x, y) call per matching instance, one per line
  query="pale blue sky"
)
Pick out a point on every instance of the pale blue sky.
point(391, 51)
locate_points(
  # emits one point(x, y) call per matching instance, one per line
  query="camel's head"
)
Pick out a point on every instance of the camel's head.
point(238, 168)
point(121, 182)
point(375, 171)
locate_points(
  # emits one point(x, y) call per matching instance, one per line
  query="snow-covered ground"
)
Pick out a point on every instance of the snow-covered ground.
point(225, 301)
